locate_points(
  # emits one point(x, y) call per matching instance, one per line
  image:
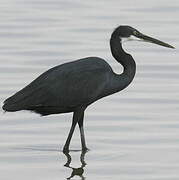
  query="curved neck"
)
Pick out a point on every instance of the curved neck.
point(120, 81)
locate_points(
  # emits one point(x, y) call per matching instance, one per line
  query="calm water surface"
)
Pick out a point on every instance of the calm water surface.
point(133, 135)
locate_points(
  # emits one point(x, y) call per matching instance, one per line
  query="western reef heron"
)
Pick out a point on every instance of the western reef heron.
point(73, 86)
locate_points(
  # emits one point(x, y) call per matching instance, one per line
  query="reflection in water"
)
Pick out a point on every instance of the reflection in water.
point(76, 171)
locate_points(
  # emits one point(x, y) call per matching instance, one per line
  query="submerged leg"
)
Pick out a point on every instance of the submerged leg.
point(82, 135)
point(67, 143)
point(76, 117)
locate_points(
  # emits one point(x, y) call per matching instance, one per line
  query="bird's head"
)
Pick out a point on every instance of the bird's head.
point(127, 32)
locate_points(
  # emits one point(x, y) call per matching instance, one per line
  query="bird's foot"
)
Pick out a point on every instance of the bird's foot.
point(85, 149)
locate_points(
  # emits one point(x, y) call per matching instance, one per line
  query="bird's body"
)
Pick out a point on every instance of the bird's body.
point(64, 88)
point(73, 86)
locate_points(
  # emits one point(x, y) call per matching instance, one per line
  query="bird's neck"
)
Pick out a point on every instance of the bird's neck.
point(121, 81)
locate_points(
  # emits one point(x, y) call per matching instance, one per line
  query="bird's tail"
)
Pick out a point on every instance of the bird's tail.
point(9, 106)
point(15, 103)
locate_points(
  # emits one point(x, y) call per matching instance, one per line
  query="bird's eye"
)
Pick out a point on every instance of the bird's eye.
point(135, 32)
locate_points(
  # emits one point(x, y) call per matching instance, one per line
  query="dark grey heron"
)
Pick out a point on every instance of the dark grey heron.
point(73, 86)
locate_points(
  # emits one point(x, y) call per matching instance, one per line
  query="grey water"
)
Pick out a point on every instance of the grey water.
point(132, 135)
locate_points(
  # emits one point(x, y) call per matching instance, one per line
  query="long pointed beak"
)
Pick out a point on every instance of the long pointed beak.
point(152, 40)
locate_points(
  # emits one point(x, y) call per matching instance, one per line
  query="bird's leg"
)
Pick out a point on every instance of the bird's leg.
point(67, 143)
point(82, 135)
